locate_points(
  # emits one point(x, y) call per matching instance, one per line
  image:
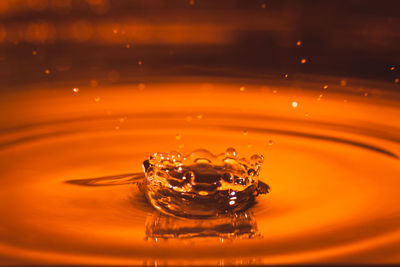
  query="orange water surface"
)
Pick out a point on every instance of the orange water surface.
point(332, 163)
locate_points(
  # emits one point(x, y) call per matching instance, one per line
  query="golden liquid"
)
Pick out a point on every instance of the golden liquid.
point(332, 164)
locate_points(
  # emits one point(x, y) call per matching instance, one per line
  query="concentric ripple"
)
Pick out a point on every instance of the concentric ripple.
point(67, 176)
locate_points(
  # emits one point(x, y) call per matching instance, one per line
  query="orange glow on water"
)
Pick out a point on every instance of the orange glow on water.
point(287, 215)
point(91, 88)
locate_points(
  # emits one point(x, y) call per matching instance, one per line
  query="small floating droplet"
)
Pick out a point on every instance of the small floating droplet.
point(325, 87)
point(396, 80)
point(245, 133)
point(34, 52)
point(294, 104)
point(200, 116)
point(263, 5)
point(298, 43)
point(343, 82)
point(270, 142)
point(303, 61)
point(75, 90)
point(47, 71)
point(178, 137)
point(96, 99)
point(242, 89)
point(392, 68)
point(140, 63)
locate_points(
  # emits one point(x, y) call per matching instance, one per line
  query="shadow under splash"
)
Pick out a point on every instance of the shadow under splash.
point(119, 179)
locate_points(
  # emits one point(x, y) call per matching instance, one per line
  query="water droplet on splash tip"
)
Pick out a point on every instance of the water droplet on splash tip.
point(257, 159)
point(231, 152)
